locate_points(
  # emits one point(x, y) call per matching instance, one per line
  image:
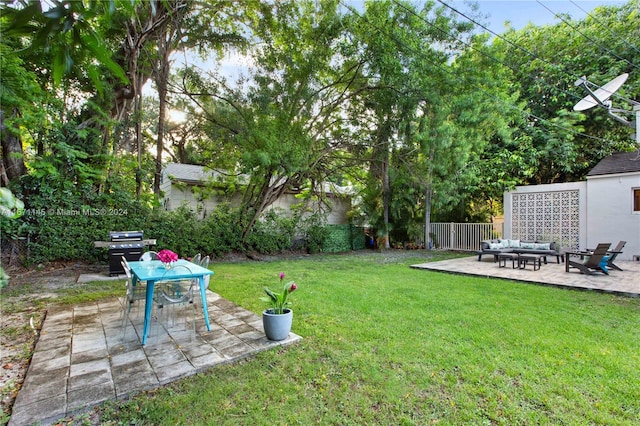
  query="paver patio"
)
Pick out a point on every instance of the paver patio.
point(83, 358)
point(625, 282)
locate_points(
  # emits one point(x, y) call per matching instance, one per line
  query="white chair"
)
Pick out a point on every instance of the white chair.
point(132, 295)
point(148, 255)
point(196, 259)
point(173, 294)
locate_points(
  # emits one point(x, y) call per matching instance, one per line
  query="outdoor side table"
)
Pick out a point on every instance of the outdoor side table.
point(503, 257)
point(535, 259)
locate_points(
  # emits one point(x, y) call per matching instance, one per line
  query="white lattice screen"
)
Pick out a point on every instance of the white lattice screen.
point(547, 216)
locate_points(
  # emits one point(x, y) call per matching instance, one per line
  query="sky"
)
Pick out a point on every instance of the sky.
point(521, 12)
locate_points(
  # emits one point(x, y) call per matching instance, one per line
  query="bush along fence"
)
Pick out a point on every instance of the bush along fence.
point(53, 237)
point(343, 238)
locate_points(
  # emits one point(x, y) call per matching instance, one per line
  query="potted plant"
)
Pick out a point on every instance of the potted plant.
point(277, 319)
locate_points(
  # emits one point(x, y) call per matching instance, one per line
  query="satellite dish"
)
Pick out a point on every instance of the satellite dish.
point(600, 95)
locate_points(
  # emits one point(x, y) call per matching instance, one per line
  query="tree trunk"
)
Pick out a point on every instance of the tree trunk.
point(162, 95)
point(268, 195)
point(383, 155)
point(138, 108)
point(427, 217)
point(162, 80)
point(386, 196)
point(428, 195)
point(12, 153)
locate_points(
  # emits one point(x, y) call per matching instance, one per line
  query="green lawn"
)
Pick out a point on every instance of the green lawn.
point(385, 344)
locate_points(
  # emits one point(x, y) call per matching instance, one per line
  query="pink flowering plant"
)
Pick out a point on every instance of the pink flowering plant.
point(167, 256)
point(278, 301)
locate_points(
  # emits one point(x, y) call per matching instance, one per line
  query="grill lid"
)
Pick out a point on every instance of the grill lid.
point(126, 236)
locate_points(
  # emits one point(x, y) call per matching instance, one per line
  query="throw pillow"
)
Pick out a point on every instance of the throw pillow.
point(527, 245)
point(514, 243)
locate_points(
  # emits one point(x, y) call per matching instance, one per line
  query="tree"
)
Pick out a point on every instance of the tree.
point(18, 97)
point(287, 127)
point(428, 115)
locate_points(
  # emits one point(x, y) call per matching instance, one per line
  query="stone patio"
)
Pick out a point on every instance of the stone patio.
point(85, 357)
point(625, 282)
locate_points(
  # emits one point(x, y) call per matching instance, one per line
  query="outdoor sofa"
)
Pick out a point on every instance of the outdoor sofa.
point(498, 246)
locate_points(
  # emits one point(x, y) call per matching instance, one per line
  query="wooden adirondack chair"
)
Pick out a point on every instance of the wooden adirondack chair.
point(613, 254)
point(595, 262)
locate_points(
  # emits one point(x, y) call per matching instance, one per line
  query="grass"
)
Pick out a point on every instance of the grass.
point(386, 344)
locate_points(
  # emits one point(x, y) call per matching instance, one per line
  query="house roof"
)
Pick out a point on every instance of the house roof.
point(188, 173)
point(618, 162)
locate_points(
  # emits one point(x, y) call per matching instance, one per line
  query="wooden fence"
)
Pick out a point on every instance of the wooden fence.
point(463, 236)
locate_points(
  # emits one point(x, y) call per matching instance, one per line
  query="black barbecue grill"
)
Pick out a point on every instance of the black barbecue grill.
point(128, 244)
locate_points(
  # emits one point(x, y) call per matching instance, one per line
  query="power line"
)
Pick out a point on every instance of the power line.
point(606, 27)
point(517, 71)
point(528, 52)
point(567, 71)
point(558, 15)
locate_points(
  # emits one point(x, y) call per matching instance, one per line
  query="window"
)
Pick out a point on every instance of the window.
point(636, 200)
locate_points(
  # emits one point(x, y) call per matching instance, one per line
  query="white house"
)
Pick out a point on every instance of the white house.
point(603, 209)
point(196, 187)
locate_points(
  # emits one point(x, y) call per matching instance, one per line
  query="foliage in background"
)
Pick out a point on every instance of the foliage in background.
point(61, 222)
point(315, 233)
point(272, 233)
point(555, 143)
point(11, 208)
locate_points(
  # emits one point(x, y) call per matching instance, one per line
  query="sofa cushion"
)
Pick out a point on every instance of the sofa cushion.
point(514, 243)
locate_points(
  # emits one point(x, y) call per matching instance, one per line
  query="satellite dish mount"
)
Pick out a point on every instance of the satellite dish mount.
point(600, 96)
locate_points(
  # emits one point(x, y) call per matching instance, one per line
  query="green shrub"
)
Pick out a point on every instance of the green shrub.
point(179, 231)
point(272, 234)
point(62, 221)
point(221, 232)
point(315, 232)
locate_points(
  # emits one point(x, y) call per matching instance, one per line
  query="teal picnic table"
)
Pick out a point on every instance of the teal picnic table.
point(154, 271)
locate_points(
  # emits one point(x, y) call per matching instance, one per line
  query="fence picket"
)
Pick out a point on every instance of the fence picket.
point(463, 236)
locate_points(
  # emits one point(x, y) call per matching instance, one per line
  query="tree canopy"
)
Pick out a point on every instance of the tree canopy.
point(412, 104)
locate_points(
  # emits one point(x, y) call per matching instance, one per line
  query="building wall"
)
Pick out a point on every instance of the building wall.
point(177, 195)
point(334, 208)
point(611, 218)
point(181, 194)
